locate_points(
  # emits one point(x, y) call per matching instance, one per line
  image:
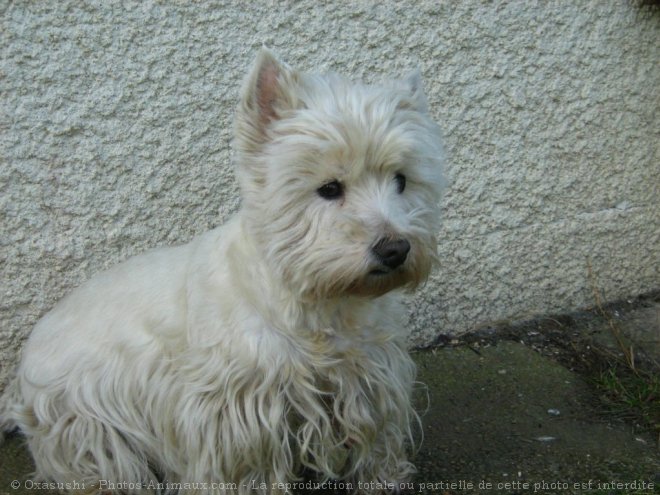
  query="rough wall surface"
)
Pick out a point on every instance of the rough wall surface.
point(115, 124)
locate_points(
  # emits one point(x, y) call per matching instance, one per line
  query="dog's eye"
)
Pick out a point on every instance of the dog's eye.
point(400, 182)
point(331, 190)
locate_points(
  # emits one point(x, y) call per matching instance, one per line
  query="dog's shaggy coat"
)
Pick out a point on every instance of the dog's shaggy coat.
point(267, 347)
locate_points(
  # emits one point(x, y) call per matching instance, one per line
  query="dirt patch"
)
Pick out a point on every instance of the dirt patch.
point(583, 340)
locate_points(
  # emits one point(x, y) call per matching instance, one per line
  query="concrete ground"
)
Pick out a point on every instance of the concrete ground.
point(514, 409)
point(510, 415)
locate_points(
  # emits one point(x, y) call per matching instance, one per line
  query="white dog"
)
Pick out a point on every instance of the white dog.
point(268, 347)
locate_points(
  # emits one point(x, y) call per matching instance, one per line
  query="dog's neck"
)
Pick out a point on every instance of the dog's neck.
point(287, 311)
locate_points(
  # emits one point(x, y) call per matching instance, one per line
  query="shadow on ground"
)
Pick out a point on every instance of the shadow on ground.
point(514, 409)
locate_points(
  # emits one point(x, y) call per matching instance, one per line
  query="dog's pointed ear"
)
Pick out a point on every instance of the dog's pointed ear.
point(413, 83)
point(267, 92)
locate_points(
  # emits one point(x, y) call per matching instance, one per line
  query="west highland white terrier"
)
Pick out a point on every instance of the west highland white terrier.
point(271, 346)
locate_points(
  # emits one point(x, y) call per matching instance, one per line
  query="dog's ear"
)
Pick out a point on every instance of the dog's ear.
point(413, 83)
point(268, 91)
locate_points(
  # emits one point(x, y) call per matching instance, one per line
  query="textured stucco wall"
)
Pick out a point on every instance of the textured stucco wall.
point(115, 124)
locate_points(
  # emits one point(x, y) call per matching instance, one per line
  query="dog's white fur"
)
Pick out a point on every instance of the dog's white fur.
point(266, 346)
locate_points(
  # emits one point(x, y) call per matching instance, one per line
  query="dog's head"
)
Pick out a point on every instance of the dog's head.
point(340, 181)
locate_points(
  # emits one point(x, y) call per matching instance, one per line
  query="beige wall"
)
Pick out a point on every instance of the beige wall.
point(115, 124)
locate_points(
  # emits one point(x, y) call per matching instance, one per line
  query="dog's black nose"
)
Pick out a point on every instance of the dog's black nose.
point(391, 252)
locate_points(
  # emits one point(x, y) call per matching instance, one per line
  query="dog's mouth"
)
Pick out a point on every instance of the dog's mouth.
point(379, 272)
point(379, 280)
point(382, 271)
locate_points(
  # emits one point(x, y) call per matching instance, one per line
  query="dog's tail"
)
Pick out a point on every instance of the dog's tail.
point(8, 398)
